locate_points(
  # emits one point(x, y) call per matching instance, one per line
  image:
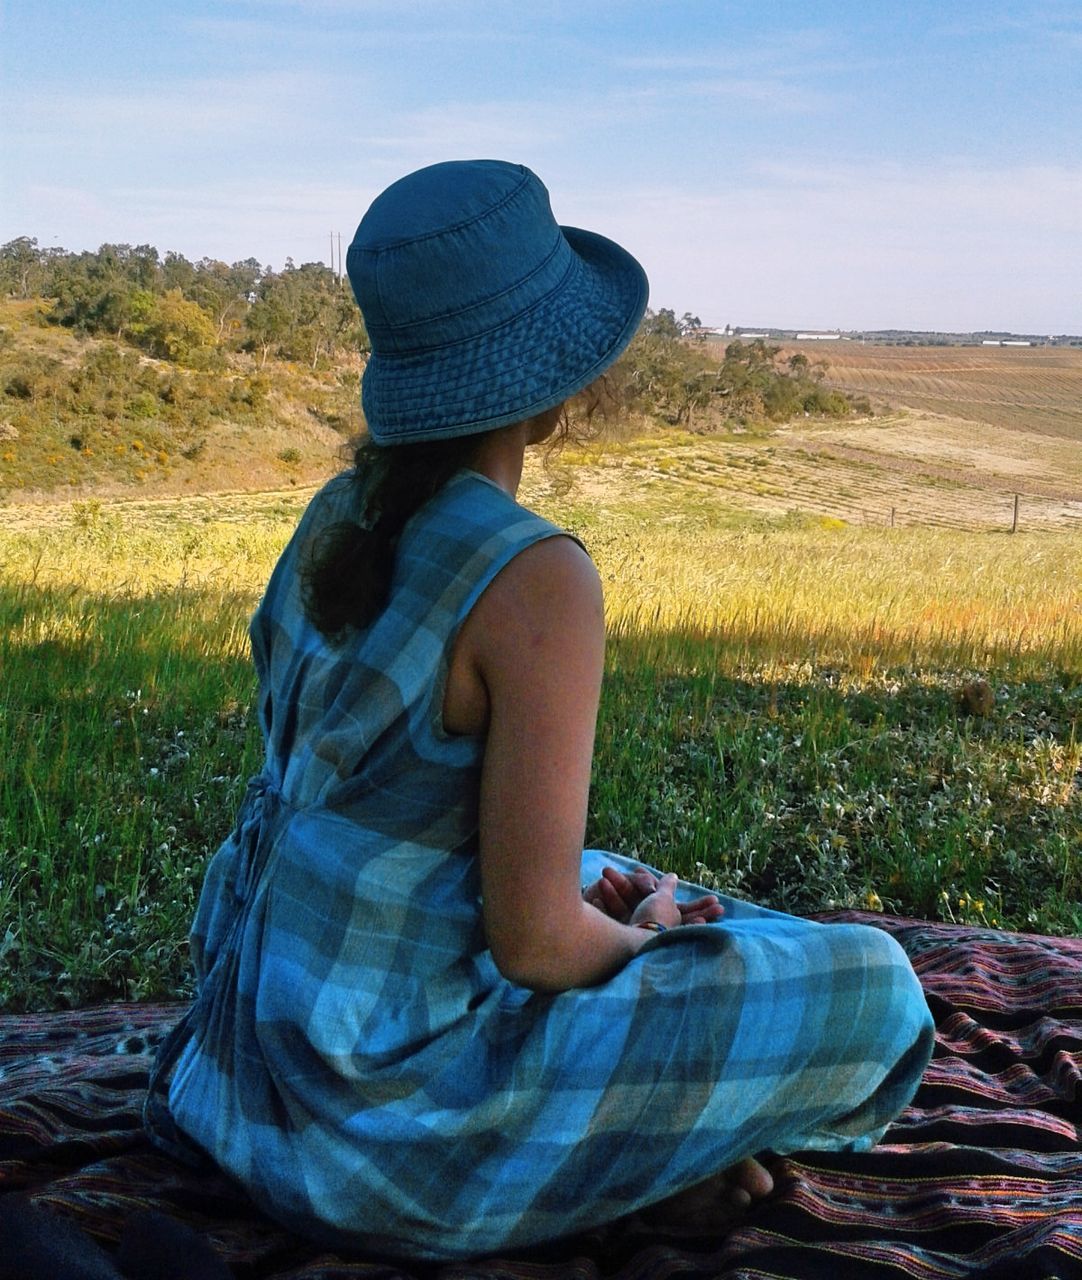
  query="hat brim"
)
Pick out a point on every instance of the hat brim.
point(523, 367)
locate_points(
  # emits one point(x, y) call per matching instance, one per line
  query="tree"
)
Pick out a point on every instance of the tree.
point(305, 313)
point(20, 267)
point(177, 272)
point(142, 266)
point(660, 324)
point(697, 391)
point(267, 320)
point(224, 292)
point(662, 374)
point(754, 386)
point(746, 377)
point(92, 303)
point(179, 329)
point(94, 291)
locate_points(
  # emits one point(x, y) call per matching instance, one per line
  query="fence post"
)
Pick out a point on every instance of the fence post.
point(1014, 521)
point(892, 517)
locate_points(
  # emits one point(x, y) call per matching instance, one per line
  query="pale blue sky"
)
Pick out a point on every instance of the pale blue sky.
point(856, 163)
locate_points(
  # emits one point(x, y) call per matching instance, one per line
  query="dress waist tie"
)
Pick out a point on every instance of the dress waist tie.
point(257, 827)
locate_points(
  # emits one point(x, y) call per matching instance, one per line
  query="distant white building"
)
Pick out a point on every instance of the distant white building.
point(1016, 342)
point(753, 335)
point(991, 342)
point(818, 337)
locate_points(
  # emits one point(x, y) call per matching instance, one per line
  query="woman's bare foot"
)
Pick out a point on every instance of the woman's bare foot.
point(717, 1202)
point(747, 1181)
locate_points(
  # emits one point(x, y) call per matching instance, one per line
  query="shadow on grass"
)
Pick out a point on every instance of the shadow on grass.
point(803, 783)
point(807, 786)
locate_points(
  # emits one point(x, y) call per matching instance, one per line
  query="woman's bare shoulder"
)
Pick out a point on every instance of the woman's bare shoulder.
point(549, 587)
point(541, 616)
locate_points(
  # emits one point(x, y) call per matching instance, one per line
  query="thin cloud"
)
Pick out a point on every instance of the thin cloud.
point(439, 132)
point(862, 246)
point(798, 52)
point(853, 246)
point(222, 107)
point(1026, 198)
point(774, 94)
point(228, 221)
point(1067, 38)
point(273, 29)
point(1034, 20)
point(498, 125)
point(786, 76)
point(352, 8)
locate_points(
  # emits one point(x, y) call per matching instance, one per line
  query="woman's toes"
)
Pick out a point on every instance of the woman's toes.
point(753, 1178)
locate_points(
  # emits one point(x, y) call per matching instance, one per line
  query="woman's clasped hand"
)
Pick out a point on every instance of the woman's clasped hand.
point(644, 898)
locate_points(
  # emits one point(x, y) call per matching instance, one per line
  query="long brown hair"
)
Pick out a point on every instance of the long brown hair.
point(347, 567)
point(346, 570)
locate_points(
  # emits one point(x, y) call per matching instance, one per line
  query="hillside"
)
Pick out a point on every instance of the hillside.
point(954, 434)
point(965, 427)
point(85, 416)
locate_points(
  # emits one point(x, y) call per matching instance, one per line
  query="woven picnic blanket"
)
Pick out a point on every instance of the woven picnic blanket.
point(980, 1177)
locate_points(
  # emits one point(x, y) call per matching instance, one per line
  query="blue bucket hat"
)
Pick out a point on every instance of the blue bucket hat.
point(481, 310)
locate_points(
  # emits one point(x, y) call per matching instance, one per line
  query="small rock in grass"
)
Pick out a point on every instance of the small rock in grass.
point(977, 698)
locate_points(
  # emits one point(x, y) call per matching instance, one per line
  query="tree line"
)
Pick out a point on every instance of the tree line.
point(188, 312)
point(195, 313)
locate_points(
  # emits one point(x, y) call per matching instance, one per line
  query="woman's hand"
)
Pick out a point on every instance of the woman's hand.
point(659, 907)
point(704, 910)
point(618, 895)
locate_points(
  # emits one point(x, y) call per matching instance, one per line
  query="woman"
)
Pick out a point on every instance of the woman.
point(415, 1032)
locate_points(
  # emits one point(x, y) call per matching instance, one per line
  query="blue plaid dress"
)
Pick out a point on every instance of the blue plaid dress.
point(354, 1057)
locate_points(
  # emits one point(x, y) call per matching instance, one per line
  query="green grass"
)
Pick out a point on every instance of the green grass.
point(125, 747)
point(780, 719)
point(806, 788)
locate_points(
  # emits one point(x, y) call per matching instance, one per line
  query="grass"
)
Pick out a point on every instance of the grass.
point(781, 717)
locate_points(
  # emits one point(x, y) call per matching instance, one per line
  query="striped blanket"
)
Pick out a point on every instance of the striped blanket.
point(981, 1177)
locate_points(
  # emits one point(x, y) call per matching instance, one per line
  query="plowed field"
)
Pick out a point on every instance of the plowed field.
point(1037, 389)
point(955, 435)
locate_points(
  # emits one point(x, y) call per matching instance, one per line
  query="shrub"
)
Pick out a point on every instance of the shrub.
point(253, 392)
point(34, 377)
point(143, 405)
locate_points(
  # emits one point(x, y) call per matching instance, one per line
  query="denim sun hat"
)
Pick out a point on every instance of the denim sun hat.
point(481, 310)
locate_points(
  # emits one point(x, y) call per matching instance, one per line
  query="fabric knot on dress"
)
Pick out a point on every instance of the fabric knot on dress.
point(257, 825)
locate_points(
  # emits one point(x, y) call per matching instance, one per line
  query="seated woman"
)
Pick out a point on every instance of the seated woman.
point(416, 1032)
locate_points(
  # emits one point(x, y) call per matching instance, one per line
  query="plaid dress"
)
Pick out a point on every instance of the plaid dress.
point(354, 1057)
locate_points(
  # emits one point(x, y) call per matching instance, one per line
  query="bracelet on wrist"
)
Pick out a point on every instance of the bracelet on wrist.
point(653, 926)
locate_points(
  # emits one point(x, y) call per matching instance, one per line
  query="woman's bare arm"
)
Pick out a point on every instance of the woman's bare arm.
point(536, 641)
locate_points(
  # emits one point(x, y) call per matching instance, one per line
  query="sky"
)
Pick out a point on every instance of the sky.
point(856, 164)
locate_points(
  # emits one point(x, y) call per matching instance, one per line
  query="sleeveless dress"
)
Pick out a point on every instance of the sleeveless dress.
point(354, 1057)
